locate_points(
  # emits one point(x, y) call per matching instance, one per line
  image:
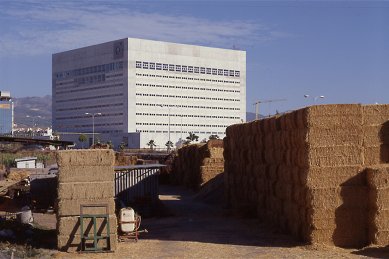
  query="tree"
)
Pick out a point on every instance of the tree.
point(214, 137)
point(169, 145)
point(151, 144)
point(110, 144)
point(55, 135)
point(192, 137)
point(122, 146)
point(82, 138)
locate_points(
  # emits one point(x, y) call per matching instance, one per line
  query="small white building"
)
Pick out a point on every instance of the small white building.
point(28, 162)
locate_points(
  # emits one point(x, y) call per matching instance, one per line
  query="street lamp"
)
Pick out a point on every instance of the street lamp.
point(314, 98)
point(93, 125)
point(169, 121)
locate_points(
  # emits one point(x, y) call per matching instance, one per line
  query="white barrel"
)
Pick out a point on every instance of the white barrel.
point(25, 216)
point(127, 220)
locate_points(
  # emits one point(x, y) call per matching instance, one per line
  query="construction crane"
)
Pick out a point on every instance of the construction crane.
point(264, 101)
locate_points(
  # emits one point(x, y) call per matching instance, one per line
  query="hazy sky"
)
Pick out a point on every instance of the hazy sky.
point(339, 49)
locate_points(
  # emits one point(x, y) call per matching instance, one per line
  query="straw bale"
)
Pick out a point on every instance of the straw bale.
point(380, 238)
point(375, 114)
point(85, 174)
point(347, 196)
point(334, 109)
point(319, 140)
point(71, 225)
point(379, 220)
point(378, 176)
point(375, 135)
point(376, 155)
point(340, 218)
point(352, 238)
point(73, 243)
point(72, 207)
point(334, 156)
point(86, 157)
point(83, 190)
point(301, 118)
point(327, 177)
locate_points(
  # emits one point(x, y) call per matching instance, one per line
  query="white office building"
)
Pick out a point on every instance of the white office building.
point(148, 90)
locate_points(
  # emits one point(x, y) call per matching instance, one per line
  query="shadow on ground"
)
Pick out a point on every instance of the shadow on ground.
point(196, 221)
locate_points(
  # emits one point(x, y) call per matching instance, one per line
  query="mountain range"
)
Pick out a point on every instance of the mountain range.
point(36, 112)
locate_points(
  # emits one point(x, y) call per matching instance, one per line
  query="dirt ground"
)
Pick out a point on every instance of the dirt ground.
point(193, 229)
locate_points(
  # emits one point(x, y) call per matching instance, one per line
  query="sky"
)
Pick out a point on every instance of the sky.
point(335, 49)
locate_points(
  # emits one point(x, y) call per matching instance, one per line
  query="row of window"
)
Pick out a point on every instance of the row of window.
point(188, 97)
point(189, 106)
point(183, 125)
point(90, 88)
point(90, 125)
point(190, 78)
point(187, 115)
point(105, 68)
point(196, 132)
point(89, 98)
point(190, 88)
point(187, 69)
point(84, 116)
point(90, 107)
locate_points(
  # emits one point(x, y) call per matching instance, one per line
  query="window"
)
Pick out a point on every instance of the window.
point(231, 72)
point(225, 72)
point(237, 73)
point(214, 71)
point(220, 72)
point(209, 71)
point(152, 65)
point(184, 69)
point(159, 66)
point(171, 67)
point(190, 69)
point(196, 70)
point(145, 65)
point(178, 68)
point(165, 67)
point(202, 70)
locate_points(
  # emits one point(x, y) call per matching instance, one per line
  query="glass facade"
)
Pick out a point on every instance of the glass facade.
point(6, 117)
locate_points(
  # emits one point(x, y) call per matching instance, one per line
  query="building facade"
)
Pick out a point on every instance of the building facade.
point(148, 90)
point(6, 113)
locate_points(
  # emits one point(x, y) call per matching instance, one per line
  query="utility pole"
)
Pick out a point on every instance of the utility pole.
point(264, 101)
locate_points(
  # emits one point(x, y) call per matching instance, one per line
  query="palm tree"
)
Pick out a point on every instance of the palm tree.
point(82, 138)
point(151, 144)
point(192, 137)
point(169, 145)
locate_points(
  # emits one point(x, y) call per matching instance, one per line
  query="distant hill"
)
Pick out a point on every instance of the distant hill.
point(32, 110)
point(37, 110)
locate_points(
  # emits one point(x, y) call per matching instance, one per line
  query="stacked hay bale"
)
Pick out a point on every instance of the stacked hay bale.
point(376, 134)
point(378, 181)
point(302, 171)
point(85, 177)
point(197, 164)
point(336, 198)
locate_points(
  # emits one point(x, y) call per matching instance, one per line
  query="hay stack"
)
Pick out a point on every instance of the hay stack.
point(304, 171)
point(378, 181)
point(197, 164)
point(85, 177)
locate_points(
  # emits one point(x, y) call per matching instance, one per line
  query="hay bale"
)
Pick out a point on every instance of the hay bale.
point(67, 207)
point(346, 196)
point(71, 225)
point(85, 157)
point(83, 190)
point(69, 174)
point(72, 243)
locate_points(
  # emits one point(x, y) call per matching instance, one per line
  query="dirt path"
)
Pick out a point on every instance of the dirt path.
point(198, 230)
